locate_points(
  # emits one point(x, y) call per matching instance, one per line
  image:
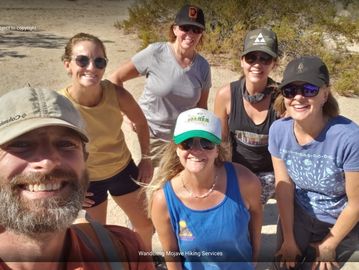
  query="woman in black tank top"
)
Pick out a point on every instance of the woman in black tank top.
point(245, 108)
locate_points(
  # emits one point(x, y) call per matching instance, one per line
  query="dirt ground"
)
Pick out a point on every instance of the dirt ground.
point(32, 39)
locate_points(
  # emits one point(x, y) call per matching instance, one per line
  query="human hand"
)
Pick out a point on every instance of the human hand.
point(288, 255)
point(87, 203)
point(145, 170)
point(325, 257)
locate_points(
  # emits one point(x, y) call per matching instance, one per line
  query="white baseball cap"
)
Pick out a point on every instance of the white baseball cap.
point(197, 122)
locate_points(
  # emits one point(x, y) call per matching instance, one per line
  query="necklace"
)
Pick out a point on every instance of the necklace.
point(204, 195)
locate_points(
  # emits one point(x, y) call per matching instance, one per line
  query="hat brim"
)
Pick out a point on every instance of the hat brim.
point(315, 81)
point(191, 23)
point(260, 49)
point(19, 128)
point(196, 133)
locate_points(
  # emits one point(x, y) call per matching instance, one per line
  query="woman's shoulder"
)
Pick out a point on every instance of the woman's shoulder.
point(343, 125)
point(203, 61)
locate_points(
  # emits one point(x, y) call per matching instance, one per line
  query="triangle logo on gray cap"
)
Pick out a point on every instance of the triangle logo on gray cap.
point(260, 40)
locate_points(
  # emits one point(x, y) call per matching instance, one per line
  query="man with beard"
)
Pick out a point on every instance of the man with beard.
point(43, 180)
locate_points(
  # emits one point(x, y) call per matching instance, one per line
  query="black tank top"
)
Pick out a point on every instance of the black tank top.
point(249, 141)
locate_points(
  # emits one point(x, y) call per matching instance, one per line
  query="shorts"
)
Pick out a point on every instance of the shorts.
point(158, 147)
point(117, 185)
point(268, 185)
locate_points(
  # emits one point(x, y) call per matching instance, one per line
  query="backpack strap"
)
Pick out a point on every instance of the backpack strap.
point(102, 238)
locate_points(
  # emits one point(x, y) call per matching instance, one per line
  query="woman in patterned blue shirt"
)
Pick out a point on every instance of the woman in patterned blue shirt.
point(315, 154)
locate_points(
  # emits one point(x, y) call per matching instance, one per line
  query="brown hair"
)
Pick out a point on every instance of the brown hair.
point(77, 38)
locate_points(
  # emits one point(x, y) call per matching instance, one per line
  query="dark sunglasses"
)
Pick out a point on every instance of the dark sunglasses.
point(187, 28)
point(306, 90)
point(263, 58)
point(84, 61)
point(189, 144)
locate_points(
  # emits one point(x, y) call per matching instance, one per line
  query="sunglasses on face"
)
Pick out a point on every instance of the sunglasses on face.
point(83, 61)
point(306, 90)
point(187, 28)
point(204, 143)
point(263, 58)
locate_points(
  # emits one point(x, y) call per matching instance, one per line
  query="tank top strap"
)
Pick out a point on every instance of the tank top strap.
point(233, 190)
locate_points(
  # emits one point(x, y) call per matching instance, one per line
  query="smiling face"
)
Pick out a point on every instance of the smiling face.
point(306, 108)
point(257, 71)
point(89, 75)
point(42, 180)
point(196, 159)
point(186, 40)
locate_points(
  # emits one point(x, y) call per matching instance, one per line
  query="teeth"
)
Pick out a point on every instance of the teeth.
point(43, 187)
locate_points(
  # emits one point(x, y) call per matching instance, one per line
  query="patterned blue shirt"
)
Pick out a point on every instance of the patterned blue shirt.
point(317, 168)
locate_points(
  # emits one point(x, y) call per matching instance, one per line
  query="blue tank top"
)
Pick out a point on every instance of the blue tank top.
point(215, 238)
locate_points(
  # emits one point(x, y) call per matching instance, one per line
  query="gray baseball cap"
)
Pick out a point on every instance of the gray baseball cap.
point(261, 39)
point(28, 108)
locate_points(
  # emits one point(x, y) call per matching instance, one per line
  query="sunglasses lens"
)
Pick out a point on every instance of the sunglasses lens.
point(250, 58)
point(100, 62)
point(82, 61)
point(310, 90)
point(187, 144)
point(265, 59)
point(289, 91)
point(205, 144)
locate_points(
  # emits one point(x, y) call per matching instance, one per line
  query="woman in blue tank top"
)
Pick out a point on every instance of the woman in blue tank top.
point(207, 213)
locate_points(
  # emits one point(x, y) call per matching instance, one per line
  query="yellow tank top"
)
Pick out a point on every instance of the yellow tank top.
point(108, 152)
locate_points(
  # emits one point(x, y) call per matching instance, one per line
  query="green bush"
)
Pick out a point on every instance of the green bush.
point(303, 27)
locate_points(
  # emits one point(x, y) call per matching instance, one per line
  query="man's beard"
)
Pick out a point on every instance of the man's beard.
point(31, 217)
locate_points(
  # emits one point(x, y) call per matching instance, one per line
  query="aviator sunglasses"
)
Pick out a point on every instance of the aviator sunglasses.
point(263, 58)
point(187, 28)
point(204, 143)
point(306, 90)
point(83, 61)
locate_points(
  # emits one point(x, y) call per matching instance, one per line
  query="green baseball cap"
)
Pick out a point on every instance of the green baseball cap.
point(261, 39)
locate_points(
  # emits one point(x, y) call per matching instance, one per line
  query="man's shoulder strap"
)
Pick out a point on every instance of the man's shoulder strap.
point(99, 240)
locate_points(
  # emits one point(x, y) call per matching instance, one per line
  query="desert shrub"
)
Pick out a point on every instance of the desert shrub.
point(303, 27)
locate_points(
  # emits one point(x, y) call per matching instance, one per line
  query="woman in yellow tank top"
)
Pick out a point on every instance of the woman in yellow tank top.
point(102, 105)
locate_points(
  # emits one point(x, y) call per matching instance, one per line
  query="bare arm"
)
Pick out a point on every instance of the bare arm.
point(202, 103)
point(123, 73)
point(346, 221)
point(284, 188)
point(162, 223)
point(134, 113)
point(250, 188)
point(222, 108)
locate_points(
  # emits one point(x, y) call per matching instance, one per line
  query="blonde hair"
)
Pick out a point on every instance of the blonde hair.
point(78, 38)
point(170, 166)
